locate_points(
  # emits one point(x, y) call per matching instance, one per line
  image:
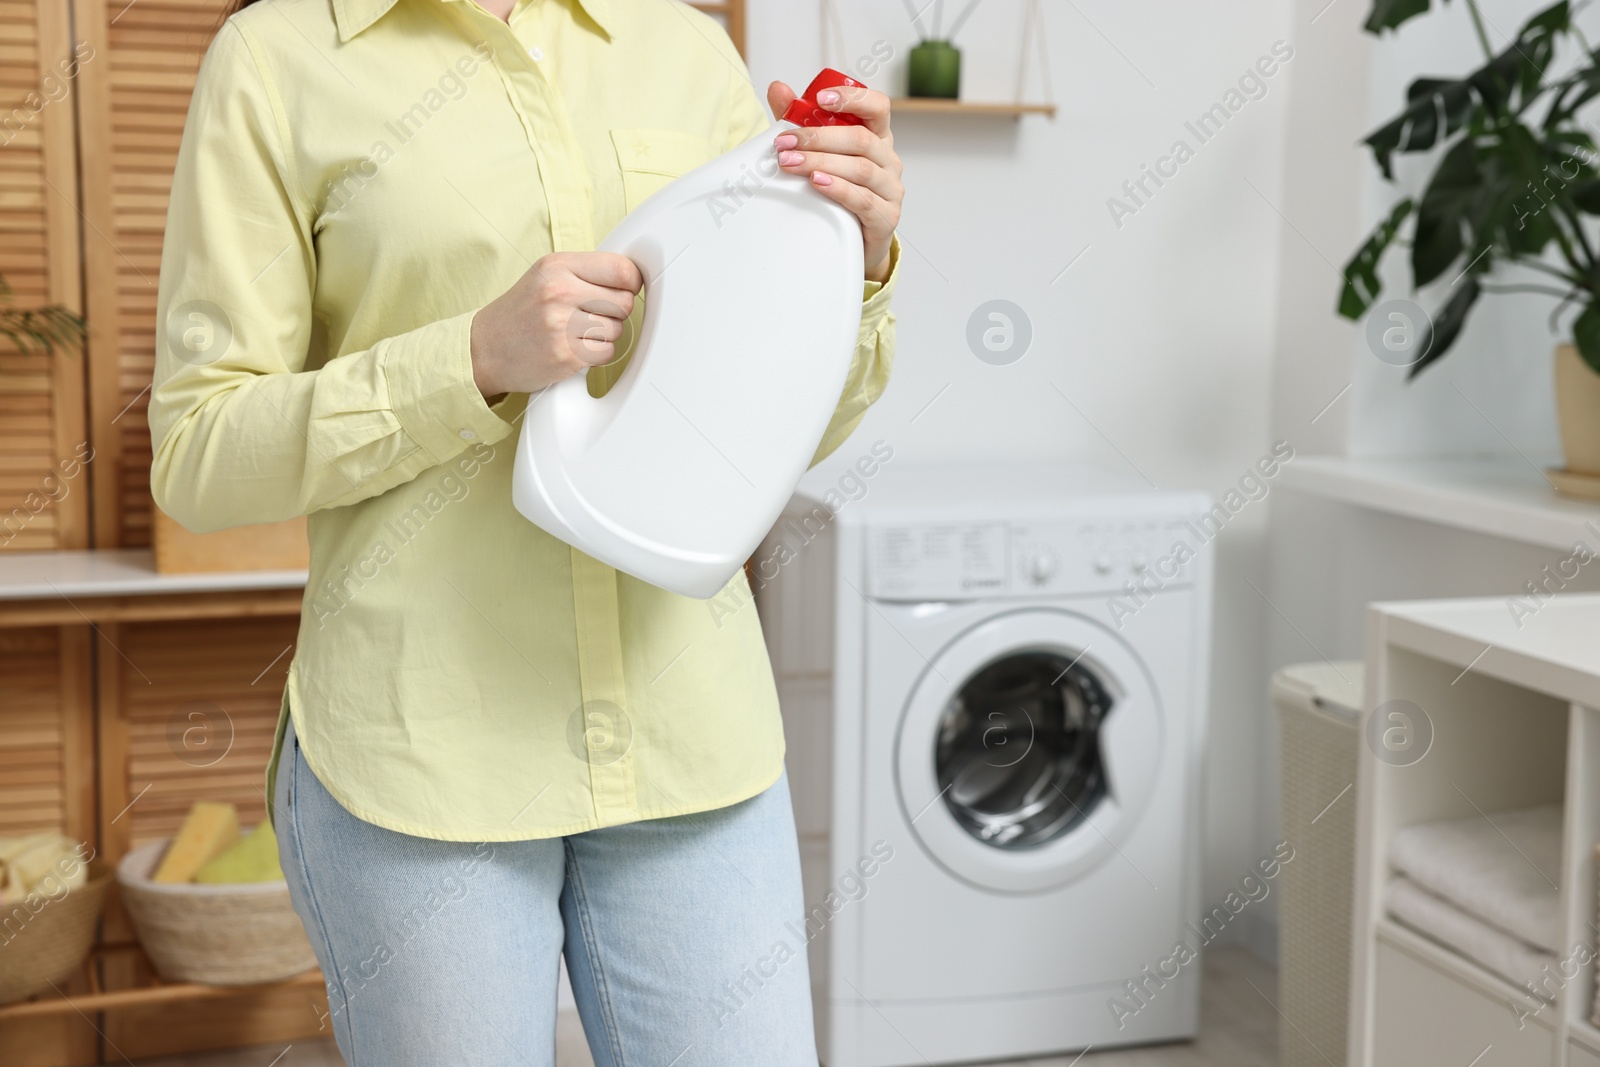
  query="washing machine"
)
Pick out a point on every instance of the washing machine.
point(993, 681)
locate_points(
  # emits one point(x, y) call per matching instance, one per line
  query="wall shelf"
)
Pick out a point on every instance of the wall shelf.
point(912, 105)
point(1584, 1033)
point(1499, 497)
point(122, 585)
point(95, 573)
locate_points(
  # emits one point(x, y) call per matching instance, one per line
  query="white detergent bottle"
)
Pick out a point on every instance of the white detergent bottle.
point(752, 308)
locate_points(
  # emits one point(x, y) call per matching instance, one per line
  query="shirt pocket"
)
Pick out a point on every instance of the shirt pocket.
point(647, 159)
point(650, 159)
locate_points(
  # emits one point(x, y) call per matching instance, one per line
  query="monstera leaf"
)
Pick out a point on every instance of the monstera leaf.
point(1508, 188)
point(1389, 14)
point(1446, 325)
point(1361, 286)
point(1586, 335)
point(1438, 108)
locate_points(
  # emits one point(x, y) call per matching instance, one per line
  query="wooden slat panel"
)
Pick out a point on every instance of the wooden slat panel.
point(194, 718)
point(135, 102)
point(41, 397)
point(187, 712)
point(47, 783)
point(33, 776)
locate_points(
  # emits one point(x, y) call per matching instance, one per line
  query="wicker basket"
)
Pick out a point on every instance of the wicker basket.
point(244, 934)
point(1318, 710)
point(1594, 1016)
point(51, 944)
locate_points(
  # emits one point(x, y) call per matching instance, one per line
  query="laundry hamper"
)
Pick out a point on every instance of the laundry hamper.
point(1319, 714)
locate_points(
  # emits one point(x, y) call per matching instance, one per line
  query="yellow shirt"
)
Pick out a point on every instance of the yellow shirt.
point(355, 181)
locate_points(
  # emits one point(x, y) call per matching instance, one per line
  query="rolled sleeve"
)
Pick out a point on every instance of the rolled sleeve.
point(876, 296)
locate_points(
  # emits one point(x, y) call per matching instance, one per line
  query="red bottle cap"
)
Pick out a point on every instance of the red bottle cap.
point(805, 112)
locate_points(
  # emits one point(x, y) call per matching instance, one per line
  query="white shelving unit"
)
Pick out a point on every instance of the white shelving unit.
point(1515, 714)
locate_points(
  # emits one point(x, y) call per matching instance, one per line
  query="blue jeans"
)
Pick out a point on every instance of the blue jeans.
point(684, 937)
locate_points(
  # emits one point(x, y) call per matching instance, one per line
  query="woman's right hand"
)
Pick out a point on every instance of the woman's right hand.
point(561, 317)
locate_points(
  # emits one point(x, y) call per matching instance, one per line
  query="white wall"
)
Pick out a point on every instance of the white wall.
point(1161, 335)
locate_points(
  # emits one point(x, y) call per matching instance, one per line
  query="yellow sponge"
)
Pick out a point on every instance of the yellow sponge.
point(209, 828)
point(254, 858)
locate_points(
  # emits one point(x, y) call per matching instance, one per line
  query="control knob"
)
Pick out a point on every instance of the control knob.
point(1040, 567)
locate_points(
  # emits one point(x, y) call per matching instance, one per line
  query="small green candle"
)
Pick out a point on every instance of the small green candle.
point(935, 70)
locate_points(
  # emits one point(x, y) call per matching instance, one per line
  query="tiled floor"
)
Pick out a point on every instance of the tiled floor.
point(1239, 1028)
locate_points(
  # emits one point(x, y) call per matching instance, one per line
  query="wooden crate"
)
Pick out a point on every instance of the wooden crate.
point(41, 396)
point(273, 546)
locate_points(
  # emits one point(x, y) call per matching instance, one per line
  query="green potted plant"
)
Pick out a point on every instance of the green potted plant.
point(1516, 182)
point(37, 330)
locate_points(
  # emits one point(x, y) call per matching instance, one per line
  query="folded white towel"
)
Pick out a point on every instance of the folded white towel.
point(1502, 869)
point(1514, 960)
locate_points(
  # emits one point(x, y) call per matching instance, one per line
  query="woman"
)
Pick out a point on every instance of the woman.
point(492, 748)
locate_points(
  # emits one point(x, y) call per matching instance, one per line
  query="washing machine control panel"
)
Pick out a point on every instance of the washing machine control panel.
point(957, 561)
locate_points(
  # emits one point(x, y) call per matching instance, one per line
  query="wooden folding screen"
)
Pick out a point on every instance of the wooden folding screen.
point(47, 783)
point(46, 727)
point(134, 101)
point(41, 396)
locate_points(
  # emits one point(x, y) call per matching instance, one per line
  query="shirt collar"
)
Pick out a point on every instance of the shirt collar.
point(353, 16)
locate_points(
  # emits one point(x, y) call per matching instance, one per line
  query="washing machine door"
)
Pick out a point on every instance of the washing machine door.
point(1028, 750)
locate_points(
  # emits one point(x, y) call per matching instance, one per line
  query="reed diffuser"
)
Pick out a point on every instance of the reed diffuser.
point(935, 70)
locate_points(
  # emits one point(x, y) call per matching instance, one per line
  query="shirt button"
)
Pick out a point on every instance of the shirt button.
point(468, 435)
point(537, 53)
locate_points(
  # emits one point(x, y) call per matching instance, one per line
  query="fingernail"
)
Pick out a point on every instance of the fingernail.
point(786, 140)
point(789, 159)
point(820, 178)
point(827, 98)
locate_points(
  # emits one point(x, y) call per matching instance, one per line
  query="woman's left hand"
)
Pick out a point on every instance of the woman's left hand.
point(855, 166)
